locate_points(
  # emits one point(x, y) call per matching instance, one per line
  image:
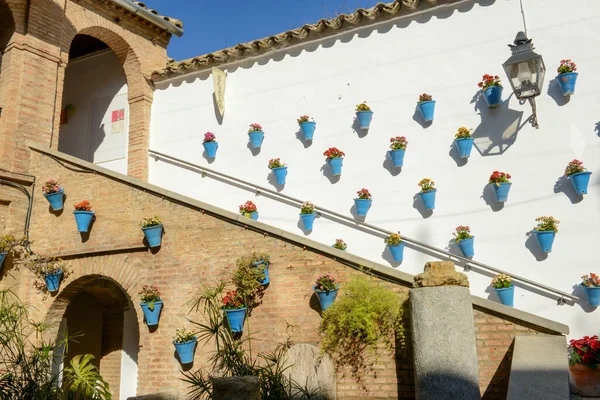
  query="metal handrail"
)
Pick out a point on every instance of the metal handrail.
point(320, 210)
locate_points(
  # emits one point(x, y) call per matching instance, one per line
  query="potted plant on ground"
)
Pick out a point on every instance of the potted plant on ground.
point(53, 193)
point(335, 160)
point(504, 288)
point(340, 245)
point(256, 135)
point(463, 142)
point(395, 244)
point(501, 185)
point(363, 202)
point(7, 245)
point(49, 271)
point(151, 304)
point(567, 77)
point(326, 288)
point(398, 148)
point(492, 90)
point(279, 169)
point(426, 106)
point(464, 240)
point(210, 144)
point(584, 357)
point(308, 126)
point(578, 175)
point(591, 283)
point(545, 231)
point(185, 344)
point(83, 215)
point(249, 210)
point(427, 193)
point(153, 230)
point(364, 115)
point(308, 215)
point(235, 311)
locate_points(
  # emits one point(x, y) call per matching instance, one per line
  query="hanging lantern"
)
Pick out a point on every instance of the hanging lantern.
point(525, 68)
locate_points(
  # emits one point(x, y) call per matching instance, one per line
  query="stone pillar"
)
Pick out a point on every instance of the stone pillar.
point(309, 368)
point(443, 335)
point(236, 387)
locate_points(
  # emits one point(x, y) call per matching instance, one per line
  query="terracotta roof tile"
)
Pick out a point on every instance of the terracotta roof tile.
point(177, 22)
point(309, 32)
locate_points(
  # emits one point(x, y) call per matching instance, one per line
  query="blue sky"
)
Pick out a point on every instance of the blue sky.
point(214, 25)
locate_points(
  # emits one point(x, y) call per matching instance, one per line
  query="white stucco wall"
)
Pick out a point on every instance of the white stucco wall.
point(96, 85)
point(444, 53)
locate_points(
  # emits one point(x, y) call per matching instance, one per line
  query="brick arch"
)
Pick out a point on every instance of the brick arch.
point(7, 25)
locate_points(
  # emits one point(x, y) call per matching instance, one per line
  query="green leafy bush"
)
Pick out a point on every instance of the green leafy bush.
point(366, 316)
point(247, 278)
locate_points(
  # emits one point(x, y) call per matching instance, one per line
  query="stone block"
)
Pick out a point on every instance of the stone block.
point(444, 346)
point(312, 370)
point(440, 273)
point(236, 387)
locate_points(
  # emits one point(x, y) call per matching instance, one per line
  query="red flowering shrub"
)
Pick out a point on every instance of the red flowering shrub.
point(591, 280)
point(566, 66)
point(585, 351)
point(231, 301)
point(498, 177)
point(425, 97)
point(334, 152)
point(83, 206)
point(574, 167)
point(364, 194)
point(488, 81)
point(248, 207)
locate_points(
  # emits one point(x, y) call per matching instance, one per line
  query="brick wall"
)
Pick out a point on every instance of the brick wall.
point(200, 248)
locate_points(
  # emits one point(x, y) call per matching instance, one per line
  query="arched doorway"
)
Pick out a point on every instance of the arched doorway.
point(95, 108)
point(100, 316)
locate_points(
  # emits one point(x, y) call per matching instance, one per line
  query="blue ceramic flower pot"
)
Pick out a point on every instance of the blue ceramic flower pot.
point(466, 246)
point(580, 181)
point(308, 129)
point(397, 157)
point(501, 191)
point(152, 316)
point(364, 119)
point(593, 295)
point(464, 146)
point(53, 281)
point(153, 235)
point(428, 199)
point(280, 174)
point(397, 251)
point(326, 298)
point(336, 165)
point(567, 82)
point(507, 295)
point(266, 279)
point(362, 206)
point(185, 351)
point(252, 215)
point(493, 96)
point(83, 219)
point(55, 199)
point(211, 148)
point(256, 138)
point(427, 108)
point(236, 318)
point(2, 257)
point(308, 220)
point(545, 240)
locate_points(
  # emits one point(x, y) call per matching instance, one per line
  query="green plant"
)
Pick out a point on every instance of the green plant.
point(585, 351)
point(497, 178)
point(340, 244)
point(233, 356)
point(367, 316)
point(276, 163)
point(502, 281)
point(247, 278)
point(398, 143)
point(151, 221)
point(182, 335)
point(547, 224)
point(393, 239)
point(566, 66)
point(463, 133)
point(51, 186)
point(363, 194)
point(149, 295)
point(489, 81)
point(427, 185)
point(247, 209)
point(326, 283)
point(307, 208)
point(574, 167)
point(42, 266)
point(8, 243)
point(333, 152)
point(232, 301)
point(363, 107)
point(462, 233)
point(591, 280)
point(26, 359)
point(82, 380)
point(304, 118)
